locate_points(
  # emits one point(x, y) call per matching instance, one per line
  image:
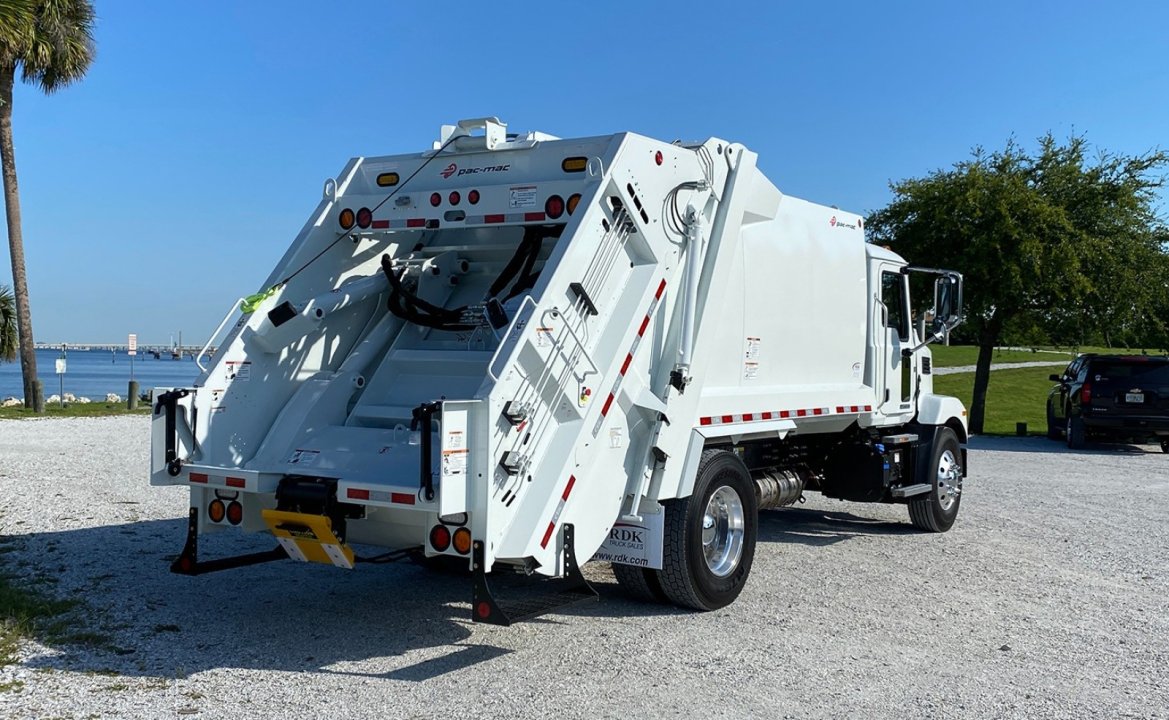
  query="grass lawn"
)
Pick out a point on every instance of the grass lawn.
point(1018, 395)
point(955, 355)
point(94, 409)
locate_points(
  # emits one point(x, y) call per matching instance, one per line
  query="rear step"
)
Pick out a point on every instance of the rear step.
point(523, 598)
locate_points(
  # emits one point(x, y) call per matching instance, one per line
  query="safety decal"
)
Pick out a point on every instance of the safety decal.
point(559, 509)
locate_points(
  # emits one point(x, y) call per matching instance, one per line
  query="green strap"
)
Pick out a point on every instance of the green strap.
point(251, 302)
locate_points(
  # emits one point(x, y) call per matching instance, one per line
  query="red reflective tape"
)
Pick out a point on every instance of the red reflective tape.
point(785, 414)
point(608, 402)
point(534, 217)
point(748, 417)
point(840, 408)
point(355, 494)
point(381, 224)
point(547, 535)
point(199, 477)
point(705, 421)
point(568, 489)
point(493, 218)
point(661, 289)
point(817, 411)
point(625, 365)
point(236, 482)
point(801, 413)
point(728, 418)
point(402, 498)
point(854, 408)
point(765, 416)
point(416, 222)
point(644, 325)
point(868, 408)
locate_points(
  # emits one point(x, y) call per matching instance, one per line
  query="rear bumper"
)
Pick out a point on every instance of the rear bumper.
point(1130, 424)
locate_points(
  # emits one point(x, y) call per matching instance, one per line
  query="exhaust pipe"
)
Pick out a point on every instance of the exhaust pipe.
point(777, 488)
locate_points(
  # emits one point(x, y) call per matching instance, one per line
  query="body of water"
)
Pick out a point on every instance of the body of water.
point(94, 373)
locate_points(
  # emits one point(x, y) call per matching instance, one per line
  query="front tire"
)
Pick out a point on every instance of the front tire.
point(936, 510)
point(1076, 434)
point(710, 536)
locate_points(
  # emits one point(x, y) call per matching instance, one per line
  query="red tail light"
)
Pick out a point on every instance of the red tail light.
point(440, 538)
point(364, 218)
point(473, 197)
point(554, 207)
point(235, 512)
point(435, 199)
point(454, 197)
point(1086, 394)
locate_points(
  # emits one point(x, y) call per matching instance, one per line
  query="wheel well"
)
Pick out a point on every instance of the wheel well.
point(960, 431)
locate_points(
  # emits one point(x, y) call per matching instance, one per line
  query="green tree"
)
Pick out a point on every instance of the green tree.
point(1072, 241)
point(7, 325)
point(54, 50)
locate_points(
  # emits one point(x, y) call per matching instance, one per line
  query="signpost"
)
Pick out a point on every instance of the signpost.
point(61, 375)
point(132, 389)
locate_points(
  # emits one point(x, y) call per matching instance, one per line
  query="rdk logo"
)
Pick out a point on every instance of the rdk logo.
point(626, 535)
point(449, 170)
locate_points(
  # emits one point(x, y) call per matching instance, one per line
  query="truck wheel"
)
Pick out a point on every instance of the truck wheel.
point(936, 510)
point(709, 539)
point(640, 583)
point(1075, 432)
point(1053, 429)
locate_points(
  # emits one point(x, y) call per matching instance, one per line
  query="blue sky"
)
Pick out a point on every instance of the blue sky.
point(171, 179)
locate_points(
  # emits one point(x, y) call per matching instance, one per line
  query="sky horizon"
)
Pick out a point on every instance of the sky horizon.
point(169, 181)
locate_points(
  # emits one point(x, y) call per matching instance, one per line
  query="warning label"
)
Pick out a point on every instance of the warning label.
point(523, 196)
point(751, 359)
point(239, 370)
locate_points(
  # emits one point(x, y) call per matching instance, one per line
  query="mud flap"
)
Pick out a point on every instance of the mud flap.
point(526, 599)
point(308, 538)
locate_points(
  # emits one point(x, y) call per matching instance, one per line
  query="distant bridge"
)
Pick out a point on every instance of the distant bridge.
point(162, 350)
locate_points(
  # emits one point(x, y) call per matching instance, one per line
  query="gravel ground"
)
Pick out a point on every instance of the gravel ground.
point(1048, 599)
point(999, 366)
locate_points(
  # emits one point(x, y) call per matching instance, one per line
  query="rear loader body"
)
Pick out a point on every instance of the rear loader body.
point(521, 352)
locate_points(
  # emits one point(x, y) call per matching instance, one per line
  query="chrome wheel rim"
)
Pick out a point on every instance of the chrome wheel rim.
point(722, 531)
point(949, 480)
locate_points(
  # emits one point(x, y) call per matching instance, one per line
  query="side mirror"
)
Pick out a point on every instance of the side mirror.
point(947, 302)
point(1054, 378)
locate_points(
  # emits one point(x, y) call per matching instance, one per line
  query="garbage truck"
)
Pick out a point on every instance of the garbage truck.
point(514, 353)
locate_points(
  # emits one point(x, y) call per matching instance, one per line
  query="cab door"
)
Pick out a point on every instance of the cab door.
point(899, 382)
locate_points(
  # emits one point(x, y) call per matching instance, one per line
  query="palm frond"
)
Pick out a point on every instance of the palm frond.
point(7, 325)
point(62, 46)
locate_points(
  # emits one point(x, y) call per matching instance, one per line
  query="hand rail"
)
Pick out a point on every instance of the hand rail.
point(519, 311)
point(228, 316)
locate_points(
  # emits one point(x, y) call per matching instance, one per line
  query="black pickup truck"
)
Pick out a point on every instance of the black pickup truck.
point(1113, 397)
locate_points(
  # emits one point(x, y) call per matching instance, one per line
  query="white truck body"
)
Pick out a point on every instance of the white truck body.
point(678, 303)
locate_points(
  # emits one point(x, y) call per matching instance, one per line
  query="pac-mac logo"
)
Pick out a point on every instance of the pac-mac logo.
point(831, 222)
point(448, 171)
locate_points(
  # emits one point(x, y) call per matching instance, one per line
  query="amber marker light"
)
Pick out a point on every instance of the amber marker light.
point(346, 219)
point(462, 541)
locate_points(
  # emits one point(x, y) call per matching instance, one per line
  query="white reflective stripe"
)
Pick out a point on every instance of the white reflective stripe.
point(291, 548)
point(337, 555)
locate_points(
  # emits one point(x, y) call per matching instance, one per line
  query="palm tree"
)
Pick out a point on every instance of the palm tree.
point(7, 325)
point(55, 51)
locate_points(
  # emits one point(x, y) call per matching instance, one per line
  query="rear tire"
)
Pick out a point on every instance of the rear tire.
point(936, 510)
point(640, 583)
point(709, 542)
point(1165, 446)
point(1053, 429)
point(1076, 439)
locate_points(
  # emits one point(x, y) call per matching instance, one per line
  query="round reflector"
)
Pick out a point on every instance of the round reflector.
point(454, 197)
point(573, 201)
point(364, 218)
point(216, 510)
point(473, 197)
point(554, 207)
point(483, 609)
point(440, 538)
point(462, 541)
point(435, 199)
point(346, 219)
point(235, 512)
